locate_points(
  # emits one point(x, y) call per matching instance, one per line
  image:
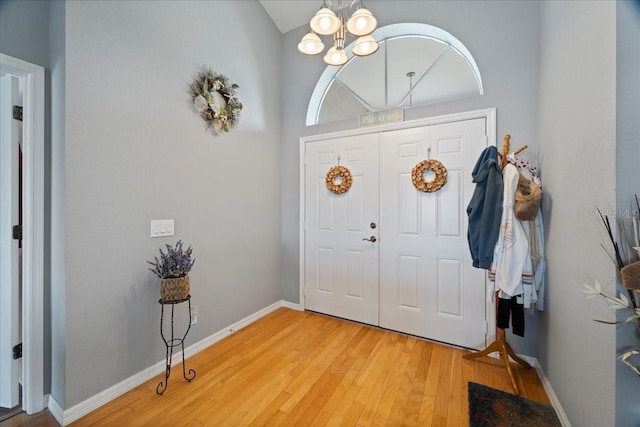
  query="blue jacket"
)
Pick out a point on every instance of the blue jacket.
point(485, 208)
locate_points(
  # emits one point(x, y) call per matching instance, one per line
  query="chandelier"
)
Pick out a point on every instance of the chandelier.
point(327, 22)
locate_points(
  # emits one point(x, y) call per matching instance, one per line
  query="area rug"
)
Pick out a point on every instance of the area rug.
point(495, 408)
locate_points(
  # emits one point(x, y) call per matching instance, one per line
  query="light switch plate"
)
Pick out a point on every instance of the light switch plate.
point(162, 227)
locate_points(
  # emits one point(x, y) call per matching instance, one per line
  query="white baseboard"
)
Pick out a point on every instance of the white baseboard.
point(292, 306)
point(83, 408)
point(55, 408)
point(530, 360)
point(555, 402)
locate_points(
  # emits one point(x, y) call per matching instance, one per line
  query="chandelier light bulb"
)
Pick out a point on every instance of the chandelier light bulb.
point(362, 22)
point(365, 45)
point(311, 44)
point(336, 56)
point(325, 22)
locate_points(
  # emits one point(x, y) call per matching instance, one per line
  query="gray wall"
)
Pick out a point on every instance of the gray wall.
point(577, 160)
point(24, 34)
point(24, 30)
point(502, 37)
point(135, 150)
point(57, 252)
point(627, 182)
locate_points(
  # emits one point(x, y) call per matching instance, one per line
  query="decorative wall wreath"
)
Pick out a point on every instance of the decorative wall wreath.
point(343, 176)
point(215, 99)
point(417, 176)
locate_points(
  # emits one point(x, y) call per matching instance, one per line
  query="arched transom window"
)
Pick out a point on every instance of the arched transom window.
point(417, 64)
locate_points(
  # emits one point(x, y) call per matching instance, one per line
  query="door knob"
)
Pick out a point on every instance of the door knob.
point(373, 225)
point(371, 239)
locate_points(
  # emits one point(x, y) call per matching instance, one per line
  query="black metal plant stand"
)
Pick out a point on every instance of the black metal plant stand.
point(173, 342)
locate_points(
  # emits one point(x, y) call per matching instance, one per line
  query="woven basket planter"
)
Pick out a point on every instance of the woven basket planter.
point(174, 289)
point(631, 276)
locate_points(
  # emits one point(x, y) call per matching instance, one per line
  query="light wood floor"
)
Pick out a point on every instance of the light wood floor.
point(295, 368)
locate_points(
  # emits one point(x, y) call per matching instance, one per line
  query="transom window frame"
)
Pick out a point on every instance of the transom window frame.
point(382, 35)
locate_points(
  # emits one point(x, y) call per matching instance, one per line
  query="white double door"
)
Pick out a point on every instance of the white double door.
point(386, 254)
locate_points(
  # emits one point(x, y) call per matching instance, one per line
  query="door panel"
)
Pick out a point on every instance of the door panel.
point(341, 269)
point(428, 286)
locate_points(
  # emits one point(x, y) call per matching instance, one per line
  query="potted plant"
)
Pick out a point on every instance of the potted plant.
point(625, 254)
point(173, 268)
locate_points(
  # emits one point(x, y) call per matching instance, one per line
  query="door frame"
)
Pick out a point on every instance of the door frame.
point(489, 114)
point(32, 77)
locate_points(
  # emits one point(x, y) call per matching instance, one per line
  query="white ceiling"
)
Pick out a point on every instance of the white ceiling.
point(290, 14)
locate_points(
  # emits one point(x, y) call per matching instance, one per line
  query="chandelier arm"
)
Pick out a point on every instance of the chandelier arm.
point(340, 35)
